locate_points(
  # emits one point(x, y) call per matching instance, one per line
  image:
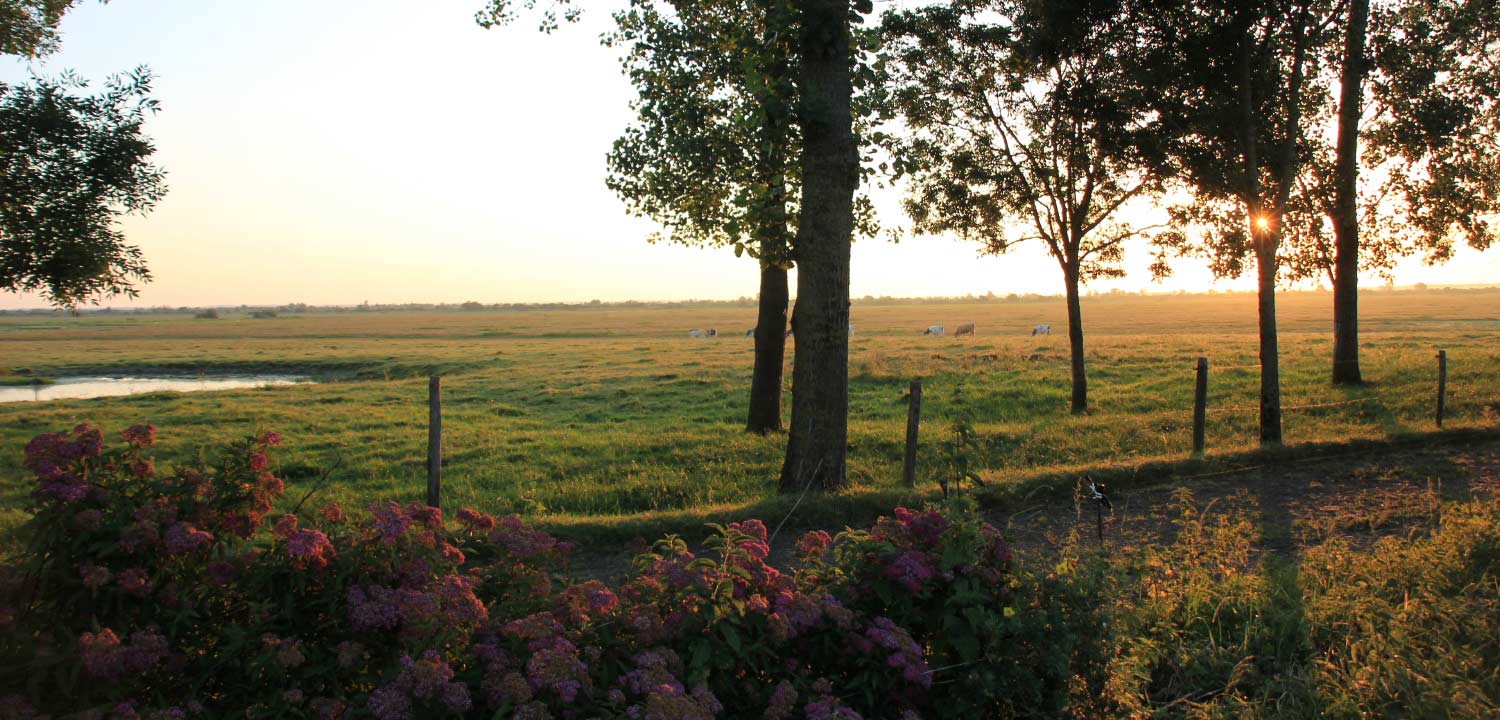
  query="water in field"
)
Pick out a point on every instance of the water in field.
point(92, 387)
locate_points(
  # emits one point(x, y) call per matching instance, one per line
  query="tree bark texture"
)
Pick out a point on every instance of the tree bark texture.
point(1080, 400)
point(770, 352)
point(817, 439)
point(1346, 206)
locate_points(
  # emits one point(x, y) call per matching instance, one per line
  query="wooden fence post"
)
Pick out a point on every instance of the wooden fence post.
point(913, 418)
point(1442, 385)
point(434, 439)
point(1200, 407)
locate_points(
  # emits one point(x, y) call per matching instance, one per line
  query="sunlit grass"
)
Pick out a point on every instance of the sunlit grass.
point(610, 413)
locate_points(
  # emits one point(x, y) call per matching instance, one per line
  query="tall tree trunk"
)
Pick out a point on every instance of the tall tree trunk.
point(1080, 401)
point(1270, 365)
point(1345, 203)
point(818, 436)
point(770, 351)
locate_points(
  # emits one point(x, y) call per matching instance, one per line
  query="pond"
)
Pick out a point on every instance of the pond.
point(92, 387)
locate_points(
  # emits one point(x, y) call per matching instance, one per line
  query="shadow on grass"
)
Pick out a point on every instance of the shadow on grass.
point(857, 507)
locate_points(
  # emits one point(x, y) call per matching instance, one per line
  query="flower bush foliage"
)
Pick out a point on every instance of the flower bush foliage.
point(148, 593)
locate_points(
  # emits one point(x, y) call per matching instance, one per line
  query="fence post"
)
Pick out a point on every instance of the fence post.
point(1200, 407)
point(1442, 385)
point(434, 439)
point(913, 418)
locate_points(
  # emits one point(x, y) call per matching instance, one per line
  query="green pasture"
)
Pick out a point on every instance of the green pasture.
point(590, 415)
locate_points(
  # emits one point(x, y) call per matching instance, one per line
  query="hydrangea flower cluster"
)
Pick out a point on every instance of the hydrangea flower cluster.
point(397, 612)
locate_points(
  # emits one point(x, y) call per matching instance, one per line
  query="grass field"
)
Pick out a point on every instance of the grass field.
point(587, 416)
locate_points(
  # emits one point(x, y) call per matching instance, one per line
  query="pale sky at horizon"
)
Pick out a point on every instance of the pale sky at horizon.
point(336, 152)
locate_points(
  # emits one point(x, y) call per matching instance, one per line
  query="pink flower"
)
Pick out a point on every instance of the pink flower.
point(183, 538)
point(911, 569)
point(427, 516)
point(140, 435)
point(309, 549)
point(813, 544)
point(475, 521)
point(333, 513)
point(269, 439)
point(257, 461)
point(134, 582)
point(389, 520)
point(285, 526)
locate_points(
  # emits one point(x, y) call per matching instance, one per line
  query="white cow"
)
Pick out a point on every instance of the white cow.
point(851, 329)
point(1042, 330)
point(933, 330)
point(695, 333)
point(750, 333)
point(713, 333)
point(964, 329)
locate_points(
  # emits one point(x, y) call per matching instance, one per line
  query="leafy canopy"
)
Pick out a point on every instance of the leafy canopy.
point(70, 165)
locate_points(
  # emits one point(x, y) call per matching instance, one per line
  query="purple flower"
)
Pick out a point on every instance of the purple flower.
point(183, 538)
point(910, 569)
point(309, 549)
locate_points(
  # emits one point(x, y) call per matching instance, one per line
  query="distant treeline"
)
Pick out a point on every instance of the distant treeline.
point(270, 311)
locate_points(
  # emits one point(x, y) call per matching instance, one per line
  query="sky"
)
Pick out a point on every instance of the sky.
point(391, 151)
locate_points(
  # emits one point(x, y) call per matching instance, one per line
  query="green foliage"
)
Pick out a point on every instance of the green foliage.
point(1411, 626)
point(1436, 90)
point(712, 153)
point(29, 27)
point(1022, 124)
point(70, 166)
point(1233, 77)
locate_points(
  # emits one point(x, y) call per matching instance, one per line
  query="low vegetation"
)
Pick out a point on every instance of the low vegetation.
point(145, 590)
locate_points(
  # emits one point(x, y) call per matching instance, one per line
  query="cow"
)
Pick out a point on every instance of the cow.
point(1041, 330)
point(933, 330)
point(750, 333)
point(788, 333)
point(713, 333)
point(851, 329)
point(964, 329)
point(695, 333)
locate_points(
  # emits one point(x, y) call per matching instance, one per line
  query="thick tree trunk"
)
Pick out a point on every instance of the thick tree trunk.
point(817, 439)
point(770, 351)
point(1270, 367)
point(1080, 401)
point(1346, 206)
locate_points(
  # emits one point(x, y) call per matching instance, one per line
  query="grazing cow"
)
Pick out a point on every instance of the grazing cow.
point(964, 329)
point(713, 333)
point(933, 330)
point(1042, 330)
point(788, 333)
point(750, 333)
point(695, 333)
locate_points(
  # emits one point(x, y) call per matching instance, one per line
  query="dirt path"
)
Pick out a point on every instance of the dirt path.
point(1360, 496)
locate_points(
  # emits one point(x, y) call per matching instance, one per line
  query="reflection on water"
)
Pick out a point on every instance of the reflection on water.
point(90, 387)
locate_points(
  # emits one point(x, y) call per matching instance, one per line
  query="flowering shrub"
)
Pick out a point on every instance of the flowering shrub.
point(182, 594)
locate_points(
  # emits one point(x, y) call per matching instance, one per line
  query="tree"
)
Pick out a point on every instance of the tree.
point(70, 166)
point(1428, 119)
point(817, 442)
point(1023, 127)
point(710, 155)
point(1231, 78)
point(830, 169)
point(29, 27)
